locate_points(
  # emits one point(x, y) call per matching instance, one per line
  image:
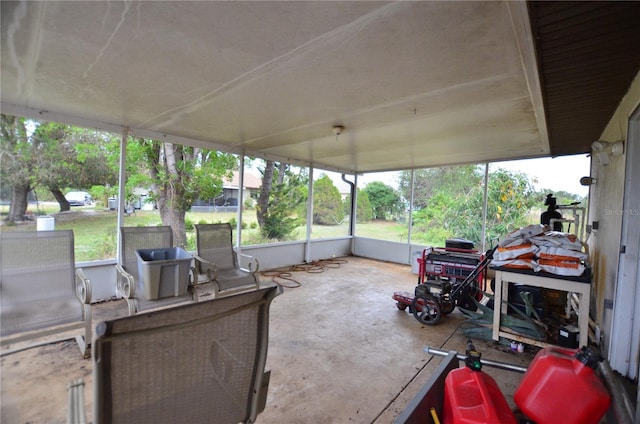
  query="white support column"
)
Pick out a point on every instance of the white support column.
point(410, 220)
point(307, 253)
point(240, 203)
point(122, 180)
point(484, 207)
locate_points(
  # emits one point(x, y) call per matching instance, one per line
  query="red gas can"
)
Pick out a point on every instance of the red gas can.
point(473, 397)
point(560, 386)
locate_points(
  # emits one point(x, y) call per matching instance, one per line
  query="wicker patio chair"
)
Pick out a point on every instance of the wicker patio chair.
point(218, 261)
point(41, 291)
point(130, 281)
point(202, 362)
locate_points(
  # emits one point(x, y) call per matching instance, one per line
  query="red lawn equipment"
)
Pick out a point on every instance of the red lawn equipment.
point(448, 277)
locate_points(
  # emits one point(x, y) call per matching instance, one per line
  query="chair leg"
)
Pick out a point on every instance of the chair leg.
point(85, 346)
point(75, 411)
point(131, 303)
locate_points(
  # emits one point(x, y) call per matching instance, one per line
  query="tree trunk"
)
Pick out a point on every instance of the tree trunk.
point(176, 220)
point(19, 204)
point(62, 201)
point(282, 169)
point(262, 208)
point(170, 199)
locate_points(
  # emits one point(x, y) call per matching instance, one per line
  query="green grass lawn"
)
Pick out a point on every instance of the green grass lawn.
point(95, 228)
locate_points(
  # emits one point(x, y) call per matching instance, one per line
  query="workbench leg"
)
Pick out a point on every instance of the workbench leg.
point(583, 317)
point(497, 306)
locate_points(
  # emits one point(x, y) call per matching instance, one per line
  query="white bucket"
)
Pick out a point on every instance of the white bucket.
point(45, 223)
point(415, 266)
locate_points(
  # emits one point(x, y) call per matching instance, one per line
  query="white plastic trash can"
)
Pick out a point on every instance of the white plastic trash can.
point(45, 223)
point(415, 266)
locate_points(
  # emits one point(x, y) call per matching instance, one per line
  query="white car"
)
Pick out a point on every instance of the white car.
point(78, 198)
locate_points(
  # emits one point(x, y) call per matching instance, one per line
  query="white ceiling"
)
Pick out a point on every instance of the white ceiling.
point(415, 84)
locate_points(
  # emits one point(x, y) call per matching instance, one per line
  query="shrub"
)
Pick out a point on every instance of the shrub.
point(327, 209)
point(191, 242)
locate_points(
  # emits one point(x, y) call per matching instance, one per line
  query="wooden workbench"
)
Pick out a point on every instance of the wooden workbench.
point(579, 285)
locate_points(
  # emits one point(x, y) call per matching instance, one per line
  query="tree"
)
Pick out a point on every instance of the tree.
point(510, 198)
point(428, 181)
point(364, 211)
point(178, 175)
point(51, 164)
point(262, 207)
point(17, 157)
point(50, 155)
point(327, 203)
point(70, 157)
point(385, 201)
point(281, 193)
point(457, 211)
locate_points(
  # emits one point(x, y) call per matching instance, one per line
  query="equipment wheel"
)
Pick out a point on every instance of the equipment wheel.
point(426, 309)
point(447, 306)
point(466, 302)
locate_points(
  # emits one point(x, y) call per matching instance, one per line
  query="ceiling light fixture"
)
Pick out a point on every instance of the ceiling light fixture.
point(337, 130)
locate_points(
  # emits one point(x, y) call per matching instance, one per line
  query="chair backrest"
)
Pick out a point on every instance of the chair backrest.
point(37, 270)
point(214, 243)
point(197, 363)
point(135, 238)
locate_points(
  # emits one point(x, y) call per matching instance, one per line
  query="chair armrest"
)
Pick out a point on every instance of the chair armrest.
point(125, 284)
point(83, 287)
point(212, 268)
point(193, 278)
point(251, 261)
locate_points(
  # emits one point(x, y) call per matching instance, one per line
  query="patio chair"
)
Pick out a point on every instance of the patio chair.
point(130, 282)
point(41, 291)
point(197, 363)
point(217, 259)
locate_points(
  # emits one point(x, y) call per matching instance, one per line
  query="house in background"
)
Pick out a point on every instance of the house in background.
point(227, 201)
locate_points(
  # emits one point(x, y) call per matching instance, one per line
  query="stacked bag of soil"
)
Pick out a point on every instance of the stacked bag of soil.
point(536, 248)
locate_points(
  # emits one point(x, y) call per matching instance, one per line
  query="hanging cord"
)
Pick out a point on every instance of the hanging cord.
point(286, 273)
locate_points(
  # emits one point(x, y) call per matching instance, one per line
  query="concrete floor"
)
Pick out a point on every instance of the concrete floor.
point(340, 351)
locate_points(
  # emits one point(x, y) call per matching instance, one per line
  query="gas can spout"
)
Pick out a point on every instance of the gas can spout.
point(588, 357)
point(473, 357)
point(587, 360)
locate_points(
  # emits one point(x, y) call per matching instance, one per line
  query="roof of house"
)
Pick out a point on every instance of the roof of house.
point(251, 181)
